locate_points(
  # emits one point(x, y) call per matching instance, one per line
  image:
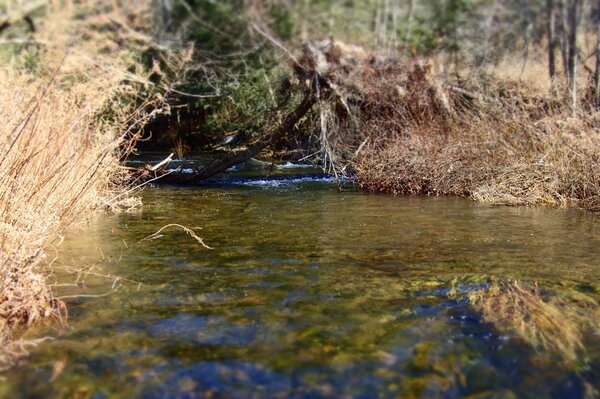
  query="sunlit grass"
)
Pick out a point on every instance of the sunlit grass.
point(63, 127)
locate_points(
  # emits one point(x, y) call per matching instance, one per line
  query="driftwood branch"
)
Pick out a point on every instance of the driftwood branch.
point(161, 163)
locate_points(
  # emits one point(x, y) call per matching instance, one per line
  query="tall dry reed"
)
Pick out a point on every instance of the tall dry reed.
point(64, 123)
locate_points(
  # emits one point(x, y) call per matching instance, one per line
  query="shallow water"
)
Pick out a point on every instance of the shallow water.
point(309, 291)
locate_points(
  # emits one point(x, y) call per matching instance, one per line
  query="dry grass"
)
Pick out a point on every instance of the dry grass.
point(510, 145)
point(552, 161)
point(63, 126)
point(547, 321)
point(503, 135)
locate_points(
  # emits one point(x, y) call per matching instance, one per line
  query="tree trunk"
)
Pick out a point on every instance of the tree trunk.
point(331, 22)
point(571, 38)
point(377, 22)
point(573, 22)
point(527, 46)
point(488, 34)
point(597, 71)
point(409, 18)
point(395, 12)
point(551, 28)
point(162, 12)
point(562, 30)
point(304, 21)
point(384, 23)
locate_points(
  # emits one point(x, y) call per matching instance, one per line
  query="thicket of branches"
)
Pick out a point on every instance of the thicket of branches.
point(242, 50)
point(493, 99)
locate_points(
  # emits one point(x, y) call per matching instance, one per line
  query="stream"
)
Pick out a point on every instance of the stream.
point(310, 290)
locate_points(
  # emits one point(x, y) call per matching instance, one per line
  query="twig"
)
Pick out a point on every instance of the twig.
point(24, 41)
point(278, 44)
point(183, 93)
point(162, 163)
point(189, 231)
point(86, 295)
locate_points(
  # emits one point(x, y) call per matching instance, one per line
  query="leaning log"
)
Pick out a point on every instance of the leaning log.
point(235, 158)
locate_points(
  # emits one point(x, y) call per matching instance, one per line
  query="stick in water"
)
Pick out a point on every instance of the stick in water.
point(189, 231)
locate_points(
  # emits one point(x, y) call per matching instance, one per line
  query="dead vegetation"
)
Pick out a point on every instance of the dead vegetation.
point(503, 155)
point(557, 322)
point(64, 126)
point(404, 130)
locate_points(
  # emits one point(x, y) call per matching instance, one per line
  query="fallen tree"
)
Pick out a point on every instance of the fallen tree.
point(353, 90)
point(239, 156)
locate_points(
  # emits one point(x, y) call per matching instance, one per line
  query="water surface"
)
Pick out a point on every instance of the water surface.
point(309, 292)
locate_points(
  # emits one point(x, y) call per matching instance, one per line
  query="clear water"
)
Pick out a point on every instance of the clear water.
point(309, 292)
